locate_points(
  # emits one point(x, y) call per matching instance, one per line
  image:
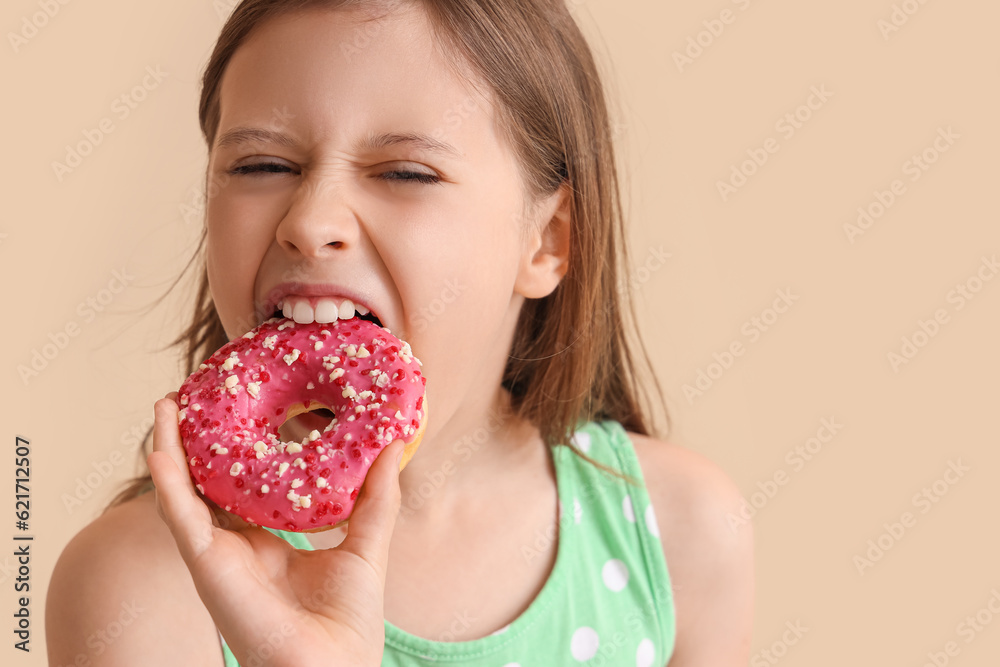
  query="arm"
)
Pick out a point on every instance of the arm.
point(120, 595)
point(710, 561)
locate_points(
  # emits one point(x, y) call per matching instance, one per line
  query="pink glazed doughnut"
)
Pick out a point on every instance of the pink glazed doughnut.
point(232, 406)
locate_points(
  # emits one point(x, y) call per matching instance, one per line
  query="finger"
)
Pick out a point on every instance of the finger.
point(374, 516)
point(187, 517)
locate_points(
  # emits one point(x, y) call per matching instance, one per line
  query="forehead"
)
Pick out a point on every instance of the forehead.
point(334, 75)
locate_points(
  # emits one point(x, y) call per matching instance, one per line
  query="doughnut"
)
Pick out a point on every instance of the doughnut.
point(232, 406)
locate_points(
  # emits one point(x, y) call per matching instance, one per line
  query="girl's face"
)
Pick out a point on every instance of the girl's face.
point(366, 169)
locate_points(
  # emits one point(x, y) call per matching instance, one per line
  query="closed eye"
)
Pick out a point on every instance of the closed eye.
point(261, 168)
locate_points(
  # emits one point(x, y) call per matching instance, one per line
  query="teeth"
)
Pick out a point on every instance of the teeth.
point(326, 311)
point(302, 313)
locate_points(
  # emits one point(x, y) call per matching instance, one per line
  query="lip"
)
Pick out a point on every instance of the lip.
point(281, 290)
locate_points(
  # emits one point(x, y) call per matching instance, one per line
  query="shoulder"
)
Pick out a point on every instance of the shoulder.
point(709, 557)
point(120, 594)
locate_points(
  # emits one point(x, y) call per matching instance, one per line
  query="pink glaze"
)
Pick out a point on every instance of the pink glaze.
point(232, 406)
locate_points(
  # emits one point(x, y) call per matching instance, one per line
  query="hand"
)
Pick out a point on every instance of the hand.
point(273, 603)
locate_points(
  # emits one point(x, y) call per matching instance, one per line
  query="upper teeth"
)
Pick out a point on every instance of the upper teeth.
point(327, 309)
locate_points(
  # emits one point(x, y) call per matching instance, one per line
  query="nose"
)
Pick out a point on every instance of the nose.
point(319, 220)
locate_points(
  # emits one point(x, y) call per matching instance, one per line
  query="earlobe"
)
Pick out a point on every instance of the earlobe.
point(546, 254)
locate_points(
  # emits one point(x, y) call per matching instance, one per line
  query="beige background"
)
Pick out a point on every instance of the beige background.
point(132, 206)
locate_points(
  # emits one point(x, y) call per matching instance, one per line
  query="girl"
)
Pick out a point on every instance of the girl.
point(449, 166)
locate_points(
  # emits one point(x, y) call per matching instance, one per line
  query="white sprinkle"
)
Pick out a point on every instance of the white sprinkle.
point(314, 435)
point(282, 468)
point(310, 385)
point(265, 488)
point(320, 483)
point(259, 446)
point(235, 470)
point(383, 379)
point(228, 364)
point(363, 352)
point(191, 462)
point(318, 346)
point(337, 372)
point(349, 392)
point(352, 350)
point(232, 381)
point(250, 334)
point(291, 356)
point(253, 388)
point(323, 457)
point(305, 501)
point(270, 341)
point(296, 483)
point(292, 448)
point(286, 325)
point(294, 497)
point(399, 415)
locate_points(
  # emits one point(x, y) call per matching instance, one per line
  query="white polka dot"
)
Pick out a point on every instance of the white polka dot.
point(584, 643)
point(646, 654)
point(615, 574)
point(628, 510)
point(582, 441)
point(577, 510)
point(651, 525)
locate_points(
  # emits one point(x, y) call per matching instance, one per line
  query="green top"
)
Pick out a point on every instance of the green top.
point(608, 600)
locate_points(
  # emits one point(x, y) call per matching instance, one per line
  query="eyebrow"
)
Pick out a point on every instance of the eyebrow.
point(243, 135)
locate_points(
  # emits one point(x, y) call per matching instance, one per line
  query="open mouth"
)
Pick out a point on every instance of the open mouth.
point(369, 317)
point(322, 310)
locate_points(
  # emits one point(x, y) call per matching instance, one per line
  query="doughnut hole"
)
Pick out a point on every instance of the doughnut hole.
point(315, 416)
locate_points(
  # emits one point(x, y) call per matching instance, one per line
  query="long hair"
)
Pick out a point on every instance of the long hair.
point(571, 359)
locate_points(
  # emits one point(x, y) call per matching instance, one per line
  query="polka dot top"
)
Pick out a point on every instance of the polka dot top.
point(608, 600)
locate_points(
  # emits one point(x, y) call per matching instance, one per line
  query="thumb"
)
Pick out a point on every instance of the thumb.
point(373, 519)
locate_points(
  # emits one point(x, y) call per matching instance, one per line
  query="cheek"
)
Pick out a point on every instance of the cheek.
point(235, 246)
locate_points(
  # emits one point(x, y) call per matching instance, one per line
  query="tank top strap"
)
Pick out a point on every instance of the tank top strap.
point(619, 523)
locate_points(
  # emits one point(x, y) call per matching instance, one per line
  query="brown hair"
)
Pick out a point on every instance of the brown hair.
point(571, 359)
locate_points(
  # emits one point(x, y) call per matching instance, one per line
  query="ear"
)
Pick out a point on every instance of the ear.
point(545, 257)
